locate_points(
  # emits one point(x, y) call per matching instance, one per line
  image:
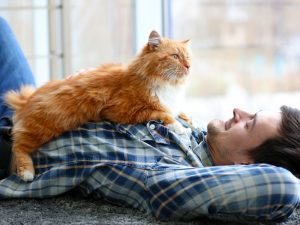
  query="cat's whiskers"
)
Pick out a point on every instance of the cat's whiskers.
point(173, 74)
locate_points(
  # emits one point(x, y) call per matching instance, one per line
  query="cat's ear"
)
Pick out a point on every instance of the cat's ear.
point(154, 39)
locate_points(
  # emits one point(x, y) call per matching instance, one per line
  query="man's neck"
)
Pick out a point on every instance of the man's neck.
point(217, 158)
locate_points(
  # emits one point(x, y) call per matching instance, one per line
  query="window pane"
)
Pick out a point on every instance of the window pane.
point(22, 3)
point(30, 25)
point(101, 32)
point(245, 53)
point(98, 32)
point(21, 22)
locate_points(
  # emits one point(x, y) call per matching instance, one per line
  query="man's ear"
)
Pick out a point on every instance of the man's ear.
point(154, 39)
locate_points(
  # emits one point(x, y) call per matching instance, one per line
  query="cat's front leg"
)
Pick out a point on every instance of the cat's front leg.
point(25, 143)
point(169, 121)
point(22, 164)
point(184, 117)
point(176, 127)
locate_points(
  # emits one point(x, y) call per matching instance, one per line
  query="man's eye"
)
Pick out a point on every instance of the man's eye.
point(248, 124)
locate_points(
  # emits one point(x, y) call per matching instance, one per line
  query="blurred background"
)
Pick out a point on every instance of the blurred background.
point(246, 53)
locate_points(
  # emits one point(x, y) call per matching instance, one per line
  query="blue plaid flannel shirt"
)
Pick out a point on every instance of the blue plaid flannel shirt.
point(150, 168)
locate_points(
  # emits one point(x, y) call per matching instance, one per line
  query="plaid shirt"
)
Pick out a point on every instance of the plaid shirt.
point(148, 167)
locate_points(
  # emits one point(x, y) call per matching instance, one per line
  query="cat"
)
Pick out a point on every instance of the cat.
point(147, 89)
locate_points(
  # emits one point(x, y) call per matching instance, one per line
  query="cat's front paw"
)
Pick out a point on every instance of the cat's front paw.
point(177, 127)
point(25, 175)
point(22, 165)
point(184, 117)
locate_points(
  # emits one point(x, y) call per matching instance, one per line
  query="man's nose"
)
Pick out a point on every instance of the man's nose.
point(240, 114)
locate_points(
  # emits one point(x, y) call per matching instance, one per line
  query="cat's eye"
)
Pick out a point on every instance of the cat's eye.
point(175, 56)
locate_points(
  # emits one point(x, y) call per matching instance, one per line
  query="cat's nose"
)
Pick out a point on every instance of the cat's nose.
point(187, 65)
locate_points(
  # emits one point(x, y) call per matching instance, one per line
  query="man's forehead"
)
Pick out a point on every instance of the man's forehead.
point(270, 119)
point(268, 113)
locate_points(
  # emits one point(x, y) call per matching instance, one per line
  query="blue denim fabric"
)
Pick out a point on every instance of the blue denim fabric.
point(14, 72)
point(14, 68)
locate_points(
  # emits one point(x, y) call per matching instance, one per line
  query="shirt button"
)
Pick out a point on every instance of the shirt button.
point(152, 126)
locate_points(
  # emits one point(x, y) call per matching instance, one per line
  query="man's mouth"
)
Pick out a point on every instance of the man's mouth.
point(227, 124)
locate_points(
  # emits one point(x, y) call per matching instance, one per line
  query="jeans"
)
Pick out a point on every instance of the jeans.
point(14, 72)
point(14, 68)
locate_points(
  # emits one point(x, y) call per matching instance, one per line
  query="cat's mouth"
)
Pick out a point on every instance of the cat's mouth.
point(185, 73)
point(176, 75)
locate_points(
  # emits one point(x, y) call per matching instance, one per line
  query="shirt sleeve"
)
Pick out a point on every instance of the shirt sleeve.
point(254, 192)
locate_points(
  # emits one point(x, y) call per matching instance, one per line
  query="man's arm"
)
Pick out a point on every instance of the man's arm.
point(255, 192)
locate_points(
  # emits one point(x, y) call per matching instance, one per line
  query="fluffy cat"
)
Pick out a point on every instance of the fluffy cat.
point(147, 89)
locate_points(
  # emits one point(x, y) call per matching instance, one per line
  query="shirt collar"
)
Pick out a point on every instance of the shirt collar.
point(158, 132)
point(205, 155)
point(202, 150)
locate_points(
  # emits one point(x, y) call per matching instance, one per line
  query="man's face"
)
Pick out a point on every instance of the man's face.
point(230, 141)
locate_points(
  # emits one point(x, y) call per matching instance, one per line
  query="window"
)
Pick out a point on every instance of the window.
point(29, 20)
point(60, 37)
point(246, 53)
point(101, 31)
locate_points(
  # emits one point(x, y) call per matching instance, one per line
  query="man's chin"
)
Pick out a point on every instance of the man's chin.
point(214, 127)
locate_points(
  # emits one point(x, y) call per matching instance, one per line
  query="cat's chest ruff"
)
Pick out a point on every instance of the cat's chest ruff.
point(170, 97)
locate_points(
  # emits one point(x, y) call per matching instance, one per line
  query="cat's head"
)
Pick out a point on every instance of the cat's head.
point(164, 60)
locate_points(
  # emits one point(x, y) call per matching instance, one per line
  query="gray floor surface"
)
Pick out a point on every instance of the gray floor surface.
point(73, 210)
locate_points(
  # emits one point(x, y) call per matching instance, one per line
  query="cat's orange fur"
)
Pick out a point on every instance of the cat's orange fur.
point(112, 92)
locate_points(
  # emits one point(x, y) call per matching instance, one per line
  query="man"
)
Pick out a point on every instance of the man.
point(231, 142)
point(265, 137)
point(148, 167)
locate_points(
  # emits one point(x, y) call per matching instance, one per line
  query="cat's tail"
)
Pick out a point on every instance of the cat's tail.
point(18, 99)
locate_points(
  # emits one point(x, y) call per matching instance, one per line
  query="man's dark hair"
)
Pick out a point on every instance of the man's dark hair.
point(283, 151)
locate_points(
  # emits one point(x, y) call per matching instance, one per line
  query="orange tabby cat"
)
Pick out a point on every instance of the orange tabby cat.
point(147, 89)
